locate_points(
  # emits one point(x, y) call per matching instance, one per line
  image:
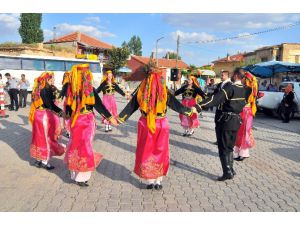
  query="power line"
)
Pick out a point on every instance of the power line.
point(246, 35)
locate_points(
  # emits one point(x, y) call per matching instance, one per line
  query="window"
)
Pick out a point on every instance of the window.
point(33, 64)
point(54, 65)
point(10, 63)
point(95, 67)
point(264, 59)
point(70, 64)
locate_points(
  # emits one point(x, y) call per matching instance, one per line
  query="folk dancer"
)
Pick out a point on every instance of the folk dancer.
point(66, 89)
point(232, 98)
point(225, 78)
point(152, 151)
point(2, 98)
point(44, 117)
point(80, 158)
point(109, 86)
point(245, 139)
point(190, 92)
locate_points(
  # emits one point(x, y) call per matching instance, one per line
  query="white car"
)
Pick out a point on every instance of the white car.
point(270, 101)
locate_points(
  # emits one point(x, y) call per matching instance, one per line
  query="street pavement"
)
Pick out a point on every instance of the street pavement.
point(268, 181)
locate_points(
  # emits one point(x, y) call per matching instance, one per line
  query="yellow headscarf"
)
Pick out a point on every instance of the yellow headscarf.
point(152, 97)
point(39, 84)
point(66, 78)
point(251, 82)
point(105, 77)
point(81, 81)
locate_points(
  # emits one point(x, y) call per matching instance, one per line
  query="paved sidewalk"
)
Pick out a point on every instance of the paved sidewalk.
point(268, 181)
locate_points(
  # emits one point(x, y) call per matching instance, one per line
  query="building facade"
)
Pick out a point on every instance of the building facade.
point(228, 63)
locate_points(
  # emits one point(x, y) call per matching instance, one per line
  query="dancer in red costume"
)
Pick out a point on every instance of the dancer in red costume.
point(109, 86)
point(2, 98)
point(245, 139)
point(152, 151)
point(190, 93)
point(80, 157)
point(44, 117)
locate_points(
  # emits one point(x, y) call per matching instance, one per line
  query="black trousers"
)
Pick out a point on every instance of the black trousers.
point(287, 113)
point(226, 139)
point(22, 97)
point(13, 95)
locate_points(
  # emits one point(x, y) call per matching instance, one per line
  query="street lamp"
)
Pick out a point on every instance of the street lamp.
point(157, 50)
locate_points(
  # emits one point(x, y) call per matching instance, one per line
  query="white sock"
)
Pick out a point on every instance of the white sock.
point(109, 127)
point(106, 127)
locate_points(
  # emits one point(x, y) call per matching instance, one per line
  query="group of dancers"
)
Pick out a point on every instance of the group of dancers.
point(152, 98)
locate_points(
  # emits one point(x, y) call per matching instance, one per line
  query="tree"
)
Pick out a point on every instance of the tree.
point(118, 58)
point(135, 45)
point(172, 55)
point(30, 28)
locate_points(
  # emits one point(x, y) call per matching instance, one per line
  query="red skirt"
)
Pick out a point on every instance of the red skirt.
point(46, 131)
point(152, 152)
point(186, 121)
point(80, 156)
point(109, 102)
point(245, 137)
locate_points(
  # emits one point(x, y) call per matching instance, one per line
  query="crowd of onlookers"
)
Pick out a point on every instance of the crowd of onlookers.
point(17, 90)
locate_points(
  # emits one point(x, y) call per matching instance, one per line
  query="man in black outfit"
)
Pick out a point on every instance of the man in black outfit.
point(225, 81)
point(232, 99)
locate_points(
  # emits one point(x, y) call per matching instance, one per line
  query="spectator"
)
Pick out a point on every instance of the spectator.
point(24, 85)
point(263, 86)
point(287, 103)
point(12, 85)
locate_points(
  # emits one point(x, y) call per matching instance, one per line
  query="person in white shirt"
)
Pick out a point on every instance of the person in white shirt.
point(24, 85)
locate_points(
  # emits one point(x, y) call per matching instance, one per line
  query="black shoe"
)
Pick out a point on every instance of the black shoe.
point(47, 166)
point(150, 186)
point(158, 186)
point(67, 134)
point(106, 131)
point(215, 143)
point(10, 109)
point(240, 158)
point(82, 184)
point(225, 177)
point(5, 116)
point(38, 164)
point(184, 134)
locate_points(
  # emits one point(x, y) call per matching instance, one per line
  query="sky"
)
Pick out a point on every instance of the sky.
point(115, 28)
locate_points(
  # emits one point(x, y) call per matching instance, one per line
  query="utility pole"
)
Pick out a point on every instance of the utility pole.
point(157, 50)
point(177, 52)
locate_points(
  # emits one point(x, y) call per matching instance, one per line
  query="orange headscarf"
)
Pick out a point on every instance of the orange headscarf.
point(81, 93)
point(196, 83)
point(105, 77)
point(152, 97)
point(288, 88)
point(66, 78)
point(251, 82)
point(39, 84)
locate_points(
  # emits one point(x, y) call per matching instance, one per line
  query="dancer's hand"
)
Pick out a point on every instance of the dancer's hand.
point(114, 121)
point(194, 110)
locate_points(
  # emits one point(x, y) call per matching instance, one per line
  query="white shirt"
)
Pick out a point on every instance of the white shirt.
point(24, 85)
point(238, 82)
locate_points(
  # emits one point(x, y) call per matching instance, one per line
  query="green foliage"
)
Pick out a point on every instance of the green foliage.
point(172, 55)
point(30, 28)
point(206, 67)
point(118, 58)
point(134, 45)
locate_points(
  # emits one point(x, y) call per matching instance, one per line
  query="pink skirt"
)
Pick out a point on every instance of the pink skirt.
point(109, 102)
point(80, 156)
point(152, 152)
point(46, 131)
point(245, 139)
point(186, 121)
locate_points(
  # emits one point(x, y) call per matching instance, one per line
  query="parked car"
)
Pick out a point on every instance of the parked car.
point(269, 101)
